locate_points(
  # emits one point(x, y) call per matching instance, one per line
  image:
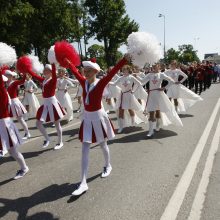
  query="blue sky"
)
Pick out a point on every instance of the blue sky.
point(185, 21)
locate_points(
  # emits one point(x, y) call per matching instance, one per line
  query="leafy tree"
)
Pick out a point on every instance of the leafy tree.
point(53, 20)
point(13, 22)
point(98, 52)
point(37, 24)
point(110, 24)
point(187, 54)
point(172, 54)
point(184, 54)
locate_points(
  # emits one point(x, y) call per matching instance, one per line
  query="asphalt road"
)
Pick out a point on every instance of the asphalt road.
point(166, 177)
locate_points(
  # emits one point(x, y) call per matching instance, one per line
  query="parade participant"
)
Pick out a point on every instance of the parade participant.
point(113, 92)
point(96, 126)
point(160, 109)
point(79, 93)
point(199, 78)
point(127, 100)
point(9, 136)
point(63, 83)
point(208, 75)
point(17, 109)
point(51, 110)
point(30, 100)
point(182, 96)
point(191, 75)
point(139, 93)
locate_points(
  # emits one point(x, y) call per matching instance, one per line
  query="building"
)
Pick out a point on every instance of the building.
point(212, 57)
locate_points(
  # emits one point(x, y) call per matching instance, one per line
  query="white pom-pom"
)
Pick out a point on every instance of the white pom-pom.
point(7, 55)
point(37, 66)
point(51, 56)
point(143, 48)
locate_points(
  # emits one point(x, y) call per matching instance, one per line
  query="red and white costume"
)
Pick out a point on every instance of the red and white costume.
point(9, 135)
point(51, 110)
point(17, 109)
point(95, 126)
point(186, 98)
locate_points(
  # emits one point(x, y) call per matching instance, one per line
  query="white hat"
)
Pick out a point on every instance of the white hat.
point(48, 66)
point(5, 79)
point(91, 65)
point(12, 73)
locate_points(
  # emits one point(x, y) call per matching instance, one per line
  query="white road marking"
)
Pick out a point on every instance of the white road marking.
point(199, 199)
point(178, 196)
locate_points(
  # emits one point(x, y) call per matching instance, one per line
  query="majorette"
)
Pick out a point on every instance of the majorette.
point(17, 109)
point(95, 126)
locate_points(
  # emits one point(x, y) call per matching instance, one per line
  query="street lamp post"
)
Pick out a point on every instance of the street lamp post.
point(164, 34)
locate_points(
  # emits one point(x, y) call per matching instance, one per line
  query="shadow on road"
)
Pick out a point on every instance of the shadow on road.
point(185, 115)
point(140, 136)
point(42, 216)
point(70, 132)
point(48, 194)
point(26, 155)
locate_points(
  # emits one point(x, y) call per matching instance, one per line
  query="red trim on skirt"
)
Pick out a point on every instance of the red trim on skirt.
point(56, 116)
point(93, 132)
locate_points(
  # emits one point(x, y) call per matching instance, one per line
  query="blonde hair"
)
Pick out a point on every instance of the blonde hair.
point(128, 68)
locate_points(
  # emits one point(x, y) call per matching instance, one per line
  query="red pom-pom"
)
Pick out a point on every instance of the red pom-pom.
point(65, 50)
point(93, 60)
point(24, 64)
point(3, 69)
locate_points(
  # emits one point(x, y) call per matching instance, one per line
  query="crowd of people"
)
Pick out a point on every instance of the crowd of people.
point(154, 95)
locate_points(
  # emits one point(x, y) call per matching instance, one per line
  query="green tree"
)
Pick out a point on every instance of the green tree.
point(110, 24)
point(15, 31)
point(184, 54)
point(187, 54)
point(172, 54)
point(53, 20)
point(37, 24)
point(98, 52)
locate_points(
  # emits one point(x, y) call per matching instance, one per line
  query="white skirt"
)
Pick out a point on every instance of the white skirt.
point(96, 127)
point(51, 110)
point(186, 98)
point(114, 91)
point(127, 100)
point(16, 108)
point(9, 135)
point(140, 93)
point(64, 99)
point(31, 100)
point(158, 100)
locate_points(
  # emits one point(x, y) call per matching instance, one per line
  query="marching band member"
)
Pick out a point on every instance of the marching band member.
point(182, 96)
point(51, 110)
point(96, 126)
point(30, 100)
point(158, 105)
point(127, 101)
point(17, 109)
point(10, 138)
point(63, 83)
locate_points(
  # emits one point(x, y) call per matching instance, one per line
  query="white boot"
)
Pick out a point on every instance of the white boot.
point(151, 129)
point(120, 125)
point(158, 123)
